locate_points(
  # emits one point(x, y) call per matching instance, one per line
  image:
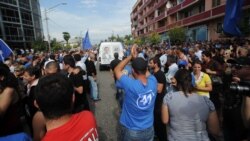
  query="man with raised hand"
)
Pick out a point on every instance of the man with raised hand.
point(140, 92)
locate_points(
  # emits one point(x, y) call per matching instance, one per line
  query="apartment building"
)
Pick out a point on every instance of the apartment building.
point(203, 19)
point(20, 22)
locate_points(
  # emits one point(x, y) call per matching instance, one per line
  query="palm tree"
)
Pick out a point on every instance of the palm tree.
point(66, 36)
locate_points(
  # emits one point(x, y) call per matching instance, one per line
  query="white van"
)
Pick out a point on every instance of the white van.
point(106, 53)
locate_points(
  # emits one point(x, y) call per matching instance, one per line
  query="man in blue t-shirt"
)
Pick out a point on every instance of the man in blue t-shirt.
point(140, 93)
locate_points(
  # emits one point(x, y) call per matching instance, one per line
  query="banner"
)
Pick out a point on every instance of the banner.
point(232, 17)
point(5, 50)
point(86, 42)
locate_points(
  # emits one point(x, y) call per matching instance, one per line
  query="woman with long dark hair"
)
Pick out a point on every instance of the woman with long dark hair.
point(187, 113)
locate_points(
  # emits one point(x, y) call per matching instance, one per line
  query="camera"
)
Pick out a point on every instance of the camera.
point(242, 88)
point(242, 69)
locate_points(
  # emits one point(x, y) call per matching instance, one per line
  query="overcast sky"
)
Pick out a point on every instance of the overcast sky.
point(100, 17)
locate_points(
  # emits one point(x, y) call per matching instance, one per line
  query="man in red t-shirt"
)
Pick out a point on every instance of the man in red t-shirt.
point(55, 98)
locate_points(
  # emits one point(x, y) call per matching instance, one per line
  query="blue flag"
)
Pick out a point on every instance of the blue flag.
point(232, 17)
point(86, 42)
point(5, 50)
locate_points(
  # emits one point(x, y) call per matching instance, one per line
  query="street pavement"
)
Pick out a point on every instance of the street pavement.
point(106, 110)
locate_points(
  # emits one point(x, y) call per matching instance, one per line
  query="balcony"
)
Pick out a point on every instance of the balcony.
point(140, 19)
point(174, 9)
point(160, 3)
point(172, 25)
point(198, 17)
point(140, 9)
point(218, 10)
point(143, 26)
point(161, 29)
point(152, 9)
point(134, 15)
point(146, 3)
point(160, 17)
point(151, 21)
point(187, 2)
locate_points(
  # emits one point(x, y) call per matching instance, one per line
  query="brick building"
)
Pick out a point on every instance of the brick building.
point(203, 19)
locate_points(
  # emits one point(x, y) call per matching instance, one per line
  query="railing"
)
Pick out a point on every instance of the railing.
point(187, 2)
point(150, 10)
point(143, 26)
point(174, 9)
point(160, 3)
point(197, 17)
point(218, 10)
point(151, 21)
point(146, 4)
point(169, 26)
point(161, 29)
point(161, 16)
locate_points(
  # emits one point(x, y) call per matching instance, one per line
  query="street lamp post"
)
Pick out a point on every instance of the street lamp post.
point(46, 11)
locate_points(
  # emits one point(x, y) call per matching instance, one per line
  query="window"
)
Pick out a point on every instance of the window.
point(202, 7)
point(13, 31)
point(219, 28)
point(215, 3)
point(179, 1)
point(26, 18)
point(10, 13)
point(161, 23)
point(197, 33)
point(9, 1)
point(28, 33)
point(24, 4)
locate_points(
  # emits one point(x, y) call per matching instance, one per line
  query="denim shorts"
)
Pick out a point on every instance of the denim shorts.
point(136, 135)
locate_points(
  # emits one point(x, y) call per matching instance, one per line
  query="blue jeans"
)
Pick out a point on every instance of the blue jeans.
point(134, 135)
point(93, 88)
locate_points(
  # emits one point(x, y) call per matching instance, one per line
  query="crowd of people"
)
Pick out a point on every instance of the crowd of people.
point(173, 92)
point(45, 96)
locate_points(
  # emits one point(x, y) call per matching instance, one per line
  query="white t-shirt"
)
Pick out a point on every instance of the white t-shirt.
point(198, 54)
point(163, 60)
point(82, 65)
point(172, 69)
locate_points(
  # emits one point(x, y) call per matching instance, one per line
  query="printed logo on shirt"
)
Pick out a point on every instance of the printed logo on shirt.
point(91, 135)
point(144, 100)
point(125, 72)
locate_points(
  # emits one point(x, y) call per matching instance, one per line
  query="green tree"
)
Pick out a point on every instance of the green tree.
point(128, 40)
point(140, 40)
point(78, 40)
point(112, 38)
point(128, 37)
point(55, 45)
point(66, 37)
point(39, 45)
point(154, 38)
point(177, 34)
point(119, 39)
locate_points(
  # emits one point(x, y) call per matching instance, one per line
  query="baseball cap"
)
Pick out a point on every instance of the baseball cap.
point(183, 63)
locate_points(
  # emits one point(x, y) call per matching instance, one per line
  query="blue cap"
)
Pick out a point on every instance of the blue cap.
point(182, 63)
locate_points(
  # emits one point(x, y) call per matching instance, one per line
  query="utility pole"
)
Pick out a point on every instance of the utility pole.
point(47, 27)
point(46, 11)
